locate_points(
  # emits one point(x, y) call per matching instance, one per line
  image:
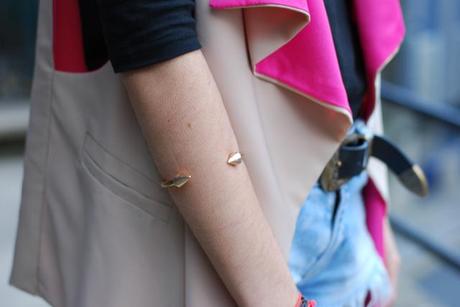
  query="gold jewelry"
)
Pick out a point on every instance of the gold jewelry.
point(234, 158)
point(177, 182)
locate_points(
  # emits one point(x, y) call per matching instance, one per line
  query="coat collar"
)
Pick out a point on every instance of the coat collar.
point(291, 45)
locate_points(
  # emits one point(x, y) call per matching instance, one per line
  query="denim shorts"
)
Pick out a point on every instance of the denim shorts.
point(333, 258)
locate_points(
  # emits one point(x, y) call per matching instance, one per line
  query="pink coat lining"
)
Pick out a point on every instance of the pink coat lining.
point(315, 72)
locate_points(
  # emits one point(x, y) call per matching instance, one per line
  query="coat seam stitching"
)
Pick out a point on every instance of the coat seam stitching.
point(51, 95)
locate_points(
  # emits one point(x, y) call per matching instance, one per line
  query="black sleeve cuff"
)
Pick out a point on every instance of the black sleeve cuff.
point(139, 33)
point(154, 53)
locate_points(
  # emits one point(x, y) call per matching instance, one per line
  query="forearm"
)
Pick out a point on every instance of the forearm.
point(187, 128)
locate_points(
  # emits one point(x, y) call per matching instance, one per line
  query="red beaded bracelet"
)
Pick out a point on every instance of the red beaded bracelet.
point(302, 302)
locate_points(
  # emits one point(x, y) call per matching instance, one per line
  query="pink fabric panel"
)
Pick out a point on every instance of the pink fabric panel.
point(376, 209)
point(381, 30)
point(68, 53)
point(224, 4)
point(308, 63)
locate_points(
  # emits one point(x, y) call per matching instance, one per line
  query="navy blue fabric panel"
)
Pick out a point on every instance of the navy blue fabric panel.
point(349, 53)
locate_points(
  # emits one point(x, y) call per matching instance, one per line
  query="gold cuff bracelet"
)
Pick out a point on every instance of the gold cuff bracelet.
point(234, 158)
point(179, 180)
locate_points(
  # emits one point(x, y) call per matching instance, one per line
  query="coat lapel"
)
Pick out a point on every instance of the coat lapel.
point(296, 51)
point(290, 44)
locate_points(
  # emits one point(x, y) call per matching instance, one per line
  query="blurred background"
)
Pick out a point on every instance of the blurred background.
point(421, 105)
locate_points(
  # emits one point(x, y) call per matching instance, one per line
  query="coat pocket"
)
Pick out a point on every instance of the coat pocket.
point(124, 181)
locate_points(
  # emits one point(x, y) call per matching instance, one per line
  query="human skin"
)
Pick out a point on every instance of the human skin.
point(187, 129)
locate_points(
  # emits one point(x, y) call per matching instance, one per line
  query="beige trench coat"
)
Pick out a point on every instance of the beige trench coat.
point(95, 228)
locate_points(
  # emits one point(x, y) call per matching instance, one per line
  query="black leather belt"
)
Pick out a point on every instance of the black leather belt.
point(353, 155)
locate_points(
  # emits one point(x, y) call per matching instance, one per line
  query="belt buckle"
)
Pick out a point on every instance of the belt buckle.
point(329, 179)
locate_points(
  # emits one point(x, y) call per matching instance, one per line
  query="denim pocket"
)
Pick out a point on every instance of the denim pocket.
point(314, 234)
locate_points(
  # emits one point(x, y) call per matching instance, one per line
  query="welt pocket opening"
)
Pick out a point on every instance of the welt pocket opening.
point(122, 180)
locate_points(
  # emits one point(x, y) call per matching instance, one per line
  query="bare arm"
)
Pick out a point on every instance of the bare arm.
point(186, 127)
